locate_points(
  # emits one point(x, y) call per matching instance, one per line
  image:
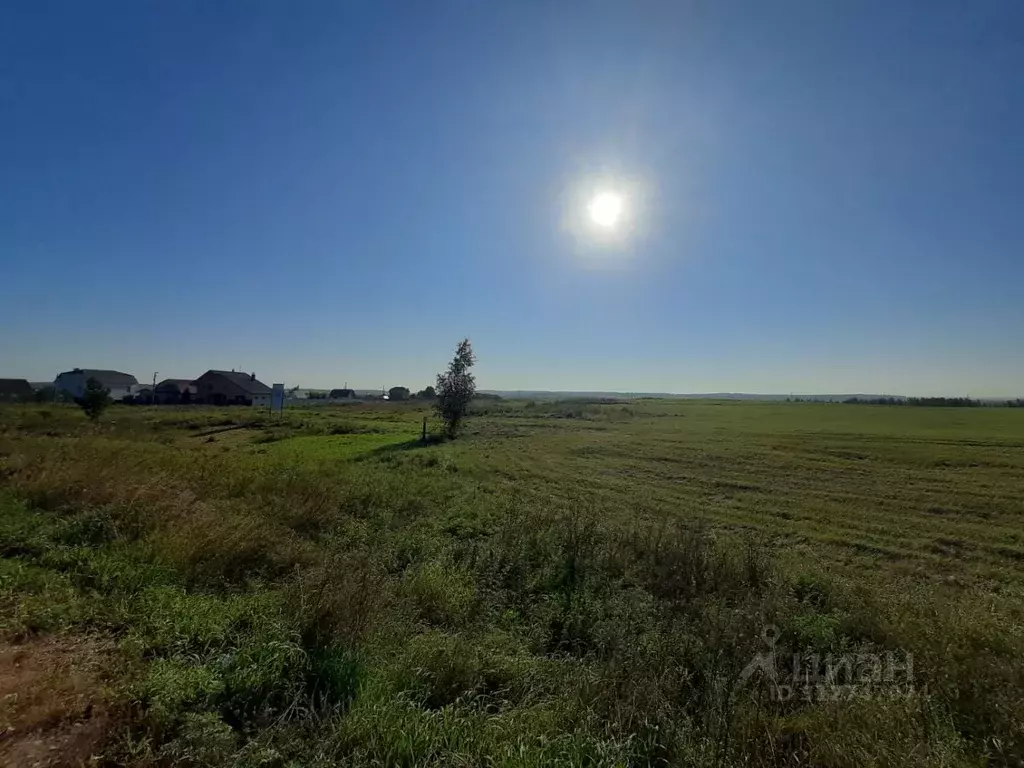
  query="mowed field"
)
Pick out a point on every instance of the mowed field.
point(567, 583)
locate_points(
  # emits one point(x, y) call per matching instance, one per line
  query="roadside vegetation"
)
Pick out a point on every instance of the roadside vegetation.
point(568, 583)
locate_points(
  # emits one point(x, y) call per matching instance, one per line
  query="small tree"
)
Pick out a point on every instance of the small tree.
point(455, 388)
point(398, 393)
point(95, 399)
point(427, 393)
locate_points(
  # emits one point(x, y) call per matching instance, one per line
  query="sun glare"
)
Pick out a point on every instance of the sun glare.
point(606, 216)
point(605, 209)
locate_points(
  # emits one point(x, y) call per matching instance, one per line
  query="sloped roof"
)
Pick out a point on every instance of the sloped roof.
point(106, 378)
point(244, 381)
point(15, 388)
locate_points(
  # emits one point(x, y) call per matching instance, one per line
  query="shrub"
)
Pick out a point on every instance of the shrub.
point(95, 399)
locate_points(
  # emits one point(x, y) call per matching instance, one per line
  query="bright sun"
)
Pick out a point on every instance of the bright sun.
point(605, 209)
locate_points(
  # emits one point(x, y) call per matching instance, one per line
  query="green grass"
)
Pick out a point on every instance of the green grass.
point(568, 583)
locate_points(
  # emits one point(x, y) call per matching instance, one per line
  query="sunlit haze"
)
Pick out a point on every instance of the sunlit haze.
point(637, 197)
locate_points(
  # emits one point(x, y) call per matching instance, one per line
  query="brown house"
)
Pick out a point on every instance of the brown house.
point(15, 389)
point(230, 388)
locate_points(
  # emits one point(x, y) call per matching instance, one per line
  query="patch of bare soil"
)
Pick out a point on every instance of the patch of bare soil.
point(52, 709)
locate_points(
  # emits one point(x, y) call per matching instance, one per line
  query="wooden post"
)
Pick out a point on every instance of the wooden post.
point(424, 438)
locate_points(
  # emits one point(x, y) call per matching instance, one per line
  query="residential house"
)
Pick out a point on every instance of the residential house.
point(175, 392)
point(73, 382)
point(231, 388)
point(15, 390)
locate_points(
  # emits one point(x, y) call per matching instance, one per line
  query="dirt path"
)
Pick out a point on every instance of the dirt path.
point(52, 710)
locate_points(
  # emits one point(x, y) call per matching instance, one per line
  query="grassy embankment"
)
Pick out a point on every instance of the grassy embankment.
point(568, 583)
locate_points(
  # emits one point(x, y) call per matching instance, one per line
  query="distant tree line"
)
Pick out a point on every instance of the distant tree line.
point(404, 393)
point(931, 402)
point(874, 401)
point(395, 393)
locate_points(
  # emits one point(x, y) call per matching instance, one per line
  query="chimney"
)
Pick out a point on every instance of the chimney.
point(252, 377)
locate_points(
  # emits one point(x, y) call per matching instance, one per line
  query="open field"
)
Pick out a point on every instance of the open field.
point(567, 583)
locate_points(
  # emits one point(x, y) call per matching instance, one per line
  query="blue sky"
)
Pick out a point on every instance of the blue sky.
point(823, 196)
